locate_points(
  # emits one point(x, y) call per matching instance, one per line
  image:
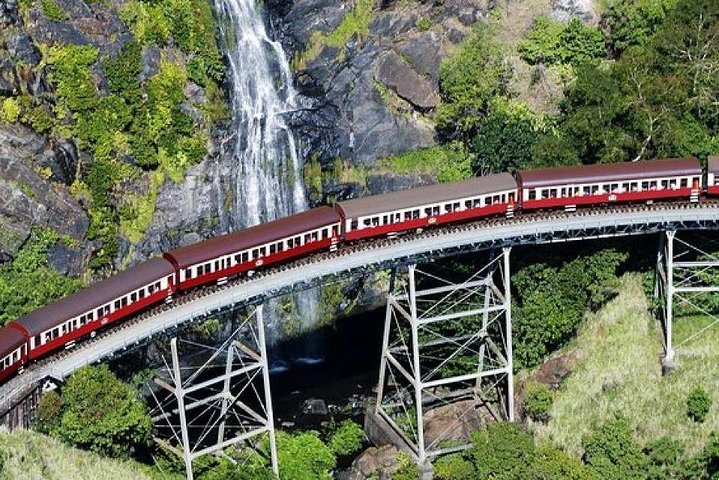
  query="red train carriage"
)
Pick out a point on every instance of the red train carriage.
point(617, 182)
point(61, 323)
point(426, 206)
point(712, 184)
point(13, 351)
point(276, 241)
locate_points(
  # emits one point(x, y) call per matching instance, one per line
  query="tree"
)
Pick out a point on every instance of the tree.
point(613, 454)
point(505, 138)
point(469, 80)
point(103, 414)
point(698, 404)
point(628, 23)
point(454, 467)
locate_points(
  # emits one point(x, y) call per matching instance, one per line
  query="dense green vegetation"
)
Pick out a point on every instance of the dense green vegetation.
point(97, 412)
point(29, 282)
point(552, 298)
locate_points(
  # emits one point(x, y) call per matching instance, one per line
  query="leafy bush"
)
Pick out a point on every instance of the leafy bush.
point(551, 42)
point(408, 469)
point(10, 110)
point(52, 10)
point(613, 454)
point(469, 79)
point(551, 463)
point(698, 404)
point(304, 456)
point(502, 450)
point(505, 139)
point(99, 413)
point(633, 22)
point(28, 282)
point(538, 401)
point(348, 438)
point(49, 413)
point(454, 467)
point(664, 459)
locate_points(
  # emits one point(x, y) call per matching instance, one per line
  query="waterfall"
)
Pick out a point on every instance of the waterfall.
point(268, 178)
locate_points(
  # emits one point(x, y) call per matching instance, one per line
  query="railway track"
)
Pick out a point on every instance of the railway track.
point(346, 250)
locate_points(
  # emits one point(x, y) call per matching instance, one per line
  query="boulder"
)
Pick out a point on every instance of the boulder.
point(315, 406)
point(566, 10)
point(452, 422)
point(395, 73)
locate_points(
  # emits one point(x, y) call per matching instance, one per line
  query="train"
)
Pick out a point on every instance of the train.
point(71, 319)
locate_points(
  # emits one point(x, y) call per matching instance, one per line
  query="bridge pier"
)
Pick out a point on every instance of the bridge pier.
point(446, 357)
point(685, 274)
point(228, 408)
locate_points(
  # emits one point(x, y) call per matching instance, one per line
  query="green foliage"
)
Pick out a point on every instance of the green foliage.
point(447, 163)
point(551, 463)
point(123, 73)
point(49, 412)
point(10, 110)
point(633, 22)
point(469, 79)
point(613, 454)
point(664, 459)
point(70, 73)
point(538, 401)
point(408, 470)
point(424, 24)
point(347, 439)
point(454, 467)
point(502, 450)
point(356, 22)
point(552, 300)
point(226, 470)
point(552, 42)
point(655, 101)
point(505, 139)
point(101, 414)
point(698, 404)
point(52, 10)
point(28, 282)
point(304, 456)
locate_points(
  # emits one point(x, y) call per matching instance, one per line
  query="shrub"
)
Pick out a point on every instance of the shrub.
point(454, 467)
point(552, 42)
point(448, 163)
point(613, 454)
point(551, 463)
point(502, 450)
point(542, 42)
point(664, 459)
point(348, 438)
point(52, 10)
point(10, 110)
point(538, 402)
point(49, 412)
point(304, 456)
point(698, 404)
point(408, 470)
point(424, 24)
point(103, 414)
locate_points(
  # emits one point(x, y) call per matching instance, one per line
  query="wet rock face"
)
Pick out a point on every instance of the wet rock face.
point(566, 10)
point(372, 97)
point(28, 199)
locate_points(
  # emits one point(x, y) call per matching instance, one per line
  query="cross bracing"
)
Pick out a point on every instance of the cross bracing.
point(373, 256)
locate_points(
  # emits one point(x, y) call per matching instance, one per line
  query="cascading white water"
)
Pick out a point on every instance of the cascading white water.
point(268, 181)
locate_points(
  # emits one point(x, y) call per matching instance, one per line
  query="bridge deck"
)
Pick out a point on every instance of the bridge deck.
point(534, 228)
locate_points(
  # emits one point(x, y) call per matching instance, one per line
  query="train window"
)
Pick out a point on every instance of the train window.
point(99, 312)
point(625, 187)
point(280, 247)
point(532, 195)
point(151, 289)
point(117, 304)
point(664, 184)
point(468, 203)
point(455, 206)
point(653, 185)
point(142, 293)
point(595, 189)
point(245, 256)
point(447, 207)
point(157, 286)
point(428, 211)
point(407, 216)
point(273, 249)
point(645, 185)
point(477, 203)
point(133, 297)
point(217, 265)
point(684, 183)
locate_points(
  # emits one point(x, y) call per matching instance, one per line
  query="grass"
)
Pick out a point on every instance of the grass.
point(441, 162)
point(30, 456)
point(618, 373)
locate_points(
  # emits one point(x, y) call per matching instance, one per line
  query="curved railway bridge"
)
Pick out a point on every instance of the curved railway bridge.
point(531, 228)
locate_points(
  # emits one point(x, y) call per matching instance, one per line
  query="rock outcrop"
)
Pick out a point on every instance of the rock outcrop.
point(29, 199)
